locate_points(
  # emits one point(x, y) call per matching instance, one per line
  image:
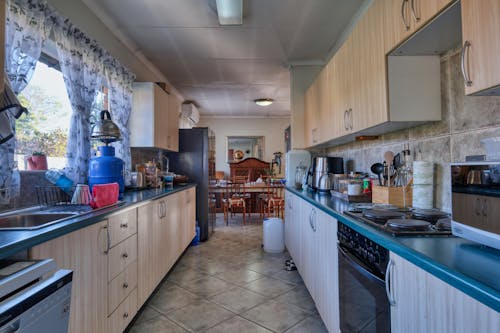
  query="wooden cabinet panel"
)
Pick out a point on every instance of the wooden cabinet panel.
point(189, 220)
point(424, 303)
point(119, 320)
point(83, 251)
point(173, 123)
point(480, 26)
point(122, 225)
point(121, 256)
point(147, 249)
point(121, 286)
point(311, 116)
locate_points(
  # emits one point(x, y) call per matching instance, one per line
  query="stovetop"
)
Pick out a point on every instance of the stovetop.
point(398, 216)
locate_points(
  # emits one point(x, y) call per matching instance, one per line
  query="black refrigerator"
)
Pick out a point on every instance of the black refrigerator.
point(192, 161)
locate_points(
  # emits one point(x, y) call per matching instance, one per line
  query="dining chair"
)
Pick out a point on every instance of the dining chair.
point(234, 200)
point(272, 201)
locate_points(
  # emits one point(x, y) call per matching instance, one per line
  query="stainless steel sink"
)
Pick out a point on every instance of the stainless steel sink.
point(30, 221)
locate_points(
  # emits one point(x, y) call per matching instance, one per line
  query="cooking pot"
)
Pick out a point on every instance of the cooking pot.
point(105, 129)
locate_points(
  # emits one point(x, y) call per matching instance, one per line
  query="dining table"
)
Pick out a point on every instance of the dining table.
point(254, 188)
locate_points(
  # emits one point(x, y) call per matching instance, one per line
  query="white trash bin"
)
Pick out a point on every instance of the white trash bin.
point(273, 237)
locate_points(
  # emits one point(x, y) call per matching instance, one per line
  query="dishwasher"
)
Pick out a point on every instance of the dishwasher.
point(364, 306)
point(35, 297)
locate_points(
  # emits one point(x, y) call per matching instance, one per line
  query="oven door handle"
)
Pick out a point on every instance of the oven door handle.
point(358, 265)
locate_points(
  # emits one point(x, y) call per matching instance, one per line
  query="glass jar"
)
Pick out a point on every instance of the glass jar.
point(300, 173)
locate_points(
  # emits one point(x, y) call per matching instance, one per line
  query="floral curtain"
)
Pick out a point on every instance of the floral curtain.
point(81, 61)
point(120, 81)
point(24, 36)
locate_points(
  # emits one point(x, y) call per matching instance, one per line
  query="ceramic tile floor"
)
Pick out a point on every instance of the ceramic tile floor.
point(229, 284)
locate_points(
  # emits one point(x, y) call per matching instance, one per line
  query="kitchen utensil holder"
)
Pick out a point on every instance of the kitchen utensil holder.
point(392, 195)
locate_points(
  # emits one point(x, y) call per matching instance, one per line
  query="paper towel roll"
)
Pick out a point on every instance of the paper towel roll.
point(423, 173)
point(423, 196)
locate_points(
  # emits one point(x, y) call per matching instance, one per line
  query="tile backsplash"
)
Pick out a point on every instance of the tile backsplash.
point(465, 121)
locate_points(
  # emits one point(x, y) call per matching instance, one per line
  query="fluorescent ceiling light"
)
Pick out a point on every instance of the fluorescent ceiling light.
point(230, 12)
point(264, 101)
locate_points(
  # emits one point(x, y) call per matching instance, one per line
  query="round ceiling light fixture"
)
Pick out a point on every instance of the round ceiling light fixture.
point(264, 101)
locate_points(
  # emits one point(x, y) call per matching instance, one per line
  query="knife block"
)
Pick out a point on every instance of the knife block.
point(392, 195)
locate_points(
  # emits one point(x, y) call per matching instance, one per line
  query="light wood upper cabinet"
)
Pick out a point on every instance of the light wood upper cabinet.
point(312, 115)
point(151, 124)
point(404, 17)
point(173, 123)
point(84, 252)
point(480, 27)
point(423, 303)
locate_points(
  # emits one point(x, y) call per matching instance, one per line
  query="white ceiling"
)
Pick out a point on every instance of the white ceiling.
point(223, 69)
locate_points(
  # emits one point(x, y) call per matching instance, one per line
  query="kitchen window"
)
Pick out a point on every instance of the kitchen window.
point(45, 128)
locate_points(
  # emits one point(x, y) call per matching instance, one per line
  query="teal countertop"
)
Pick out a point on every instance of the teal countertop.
point(14, 241)
point(465, 265)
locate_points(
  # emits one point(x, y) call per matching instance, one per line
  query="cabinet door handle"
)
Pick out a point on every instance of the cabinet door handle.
point(125, 255)
point(477, 205)
point(346, 120)
point(403, 16)
point(485, 207)
point(414, 12)
point(108, 240)
point(124, 225)
point(389, 287)
point(125, 285)
point(466, 76)
point(350, 119)
point(125, 315)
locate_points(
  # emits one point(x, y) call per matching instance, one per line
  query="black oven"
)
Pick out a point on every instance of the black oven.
point(364, 306)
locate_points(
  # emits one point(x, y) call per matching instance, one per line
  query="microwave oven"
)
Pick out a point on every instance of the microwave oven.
point(475, 198)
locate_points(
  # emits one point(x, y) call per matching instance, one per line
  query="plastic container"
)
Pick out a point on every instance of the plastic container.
point(273, 235)
point(58, 178)
point(196, 239)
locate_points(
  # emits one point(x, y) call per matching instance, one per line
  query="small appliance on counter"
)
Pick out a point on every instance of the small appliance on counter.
point(322, 171)
point(106, 168)
point(34, 296)
point(475, 198)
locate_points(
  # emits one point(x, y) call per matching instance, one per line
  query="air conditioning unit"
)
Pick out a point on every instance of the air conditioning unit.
point(190, 112)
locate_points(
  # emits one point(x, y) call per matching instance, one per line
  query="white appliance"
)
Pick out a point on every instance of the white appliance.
point(190, 116)
point(32, 300)
point(292, 159)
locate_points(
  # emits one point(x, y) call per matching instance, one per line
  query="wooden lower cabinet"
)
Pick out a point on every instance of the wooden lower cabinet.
point(118, 262)
point(424, 303)
point(84, 252)
point(310, 237)
point(166, 227)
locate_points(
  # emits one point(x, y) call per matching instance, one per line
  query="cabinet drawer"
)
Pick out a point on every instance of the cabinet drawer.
point(121, 286)
point(119, 320)
point(121, 256)
point(122, 226)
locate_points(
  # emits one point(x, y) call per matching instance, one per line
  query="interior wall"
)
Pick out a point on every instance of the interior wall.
point(272, 129)
point(465, 121)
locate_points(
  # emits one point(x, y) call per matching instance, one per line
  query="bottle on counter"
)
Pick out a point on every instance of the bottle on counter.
point(58, 178)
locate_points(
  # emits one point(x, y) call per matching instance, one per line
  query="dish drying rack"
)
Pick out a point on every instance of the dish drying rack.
point(55, 197)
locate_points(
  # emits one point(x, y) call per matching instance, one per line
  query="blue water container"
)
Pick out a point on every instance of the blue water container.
point(196, 239)
point(106, 168)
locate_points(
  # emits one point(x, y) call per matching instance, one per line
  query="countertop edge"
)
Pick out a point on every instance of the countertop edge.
point(475, 289)
point(31, 238)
